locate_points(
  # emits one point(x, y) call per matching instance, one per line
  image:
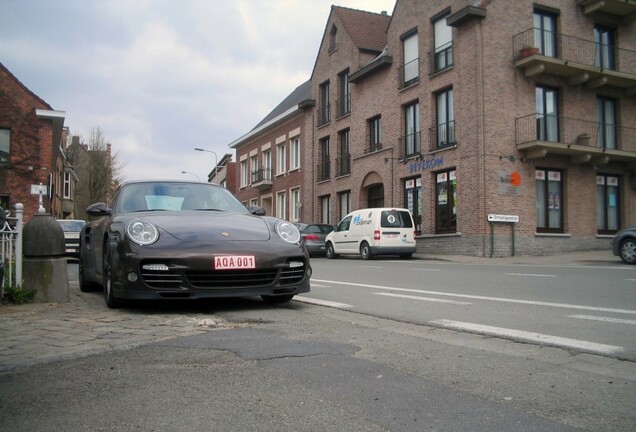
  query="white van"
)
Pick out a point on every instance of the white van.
point(373, 231)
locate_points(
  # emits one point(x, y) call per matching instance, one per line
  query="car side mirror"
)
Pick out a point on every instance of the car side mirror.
point(98, 209)
point(256, 210)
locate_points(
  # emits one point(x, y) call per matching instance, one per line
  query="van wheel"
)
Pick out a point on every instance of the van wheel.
point(365, 251)
point(406, 256)
point(331, 254)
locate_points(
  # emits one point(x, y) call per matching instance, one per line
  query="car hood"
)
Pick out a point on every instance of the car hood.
point(208, 225)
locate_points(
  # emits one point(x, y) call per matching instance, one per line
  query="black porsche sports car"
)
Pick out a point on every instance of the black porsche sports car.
point(188, 240)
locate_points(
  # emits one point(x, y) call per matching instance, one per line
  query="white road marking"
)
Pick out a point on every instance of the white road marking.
point(368, 266)
point(524, 336)
point(422, 298)
point(477, 297)
point(426, 269)
point(530, 274)
point(604, 319)
point(631, 280)
point(314, 285)
point(327, 303)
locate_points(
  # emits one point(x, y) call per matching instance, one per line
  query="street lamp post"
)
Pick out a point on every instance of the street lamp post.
point(191, 173)
point(216, 158)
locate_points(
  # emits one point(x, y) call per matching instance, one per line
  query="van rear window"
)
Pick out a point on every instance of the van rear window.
point(395, 219)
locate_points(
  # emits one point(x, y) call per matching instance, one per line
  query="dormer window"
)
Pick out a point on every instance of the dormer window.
point(333, 39)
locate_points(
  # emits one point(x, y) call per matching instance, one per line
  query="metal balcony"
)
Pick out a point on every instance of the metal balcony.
point(409, 74)
point(577, 60)
point(411, 145)
point(343, 165)
point(539, 136)
point(262, 179)
point(323, 171)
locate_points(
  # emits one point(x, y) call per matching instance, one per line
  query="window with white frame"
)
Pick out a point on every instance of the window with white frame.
point(281, 159)
point(67, 185)
point(245, 174)
point(254, 169)
point(281, 205)
point(267, 165)
point(295, 205)
point(294, 156)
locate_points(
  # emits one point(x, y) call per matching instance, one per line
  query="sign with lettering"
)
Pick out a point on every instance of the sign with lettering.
point(503, 218)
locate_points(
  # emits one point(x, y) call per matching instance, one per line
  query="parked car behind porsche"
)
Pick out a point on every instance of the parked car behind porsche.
point(72, 228)
point(188, 240)
point(314, 236)
point(624, 244)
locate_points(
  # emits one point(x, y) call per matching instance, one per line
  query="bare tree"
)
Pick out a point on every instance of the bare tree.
point(97, 168)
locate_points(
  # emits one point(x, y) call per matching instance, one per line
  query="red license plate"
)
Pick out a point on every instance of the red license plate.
point(234, 262)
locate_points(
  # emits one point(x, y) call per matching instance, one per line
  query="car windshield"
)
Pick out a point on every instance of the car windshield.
point(318, 229)
point(175, 196)
point(72, 225)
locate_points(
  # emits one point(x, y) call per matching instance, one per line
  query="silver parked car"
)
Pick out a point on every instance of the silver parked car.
point(624, 244)
point(314, 236)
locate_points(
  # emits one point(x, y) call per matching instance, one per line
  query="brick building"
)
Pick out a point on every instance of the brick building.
point(270, 158)
point(473, 114)
point(32, 137)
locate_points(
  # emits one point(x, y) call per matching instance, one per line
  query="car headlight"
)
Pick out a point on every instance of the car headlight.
point(288, 232)
point(141, 232)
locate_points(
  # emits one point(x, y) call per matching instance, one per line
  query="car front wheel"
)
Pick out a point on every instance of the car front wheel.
point(111, 301)
point(628, 251)
point(330, 252)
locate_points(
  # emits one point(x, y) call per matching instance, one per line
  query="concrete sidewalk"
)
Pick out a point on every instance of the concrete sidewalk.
point(42, 332)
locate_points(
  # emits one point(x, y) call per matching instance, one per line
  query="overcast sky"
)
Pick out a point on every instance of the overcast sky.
point(161, 77)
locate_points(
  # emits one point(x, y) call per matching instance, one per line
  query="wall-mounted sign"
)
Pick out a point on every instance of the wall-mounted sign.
point(38, 189)
point(426, 164)
point(509, 182)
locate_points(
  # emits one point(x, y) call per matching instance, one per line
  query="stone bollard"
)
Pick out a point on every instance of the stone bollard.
point(45, 268)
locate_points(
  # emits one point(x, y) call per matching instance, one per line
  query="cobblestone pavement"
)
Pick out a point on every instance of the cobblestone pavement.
point(42, 332)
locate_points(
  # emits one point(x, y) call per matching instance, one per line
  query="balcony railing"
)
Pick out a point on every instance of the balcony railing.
point(409, 73)
point(343, 105)
point(343, 165)
point(441, 58)
point(373, 147)
point(443, 135)
point(569, 131)
point(323, 171)
point(573, 50)
point(410, 145)
point(324, 114)
point(262, 178)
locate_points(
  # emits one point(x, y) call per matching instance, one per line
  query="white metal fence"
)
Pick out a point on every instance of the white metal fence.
point(11, 248)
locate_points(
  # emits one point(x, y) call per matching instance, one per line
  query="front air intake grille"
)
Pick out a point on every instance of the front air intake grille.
point(231, 278)
point(161, 279)
point(291, 276)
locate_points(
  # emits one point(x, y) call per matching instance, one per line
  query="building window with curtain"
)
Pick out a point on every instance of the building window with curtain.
point(409, 72)
point(344, 160)
point(549, 184)
point(606, 117)
point(375, 134)
point(411, 140)
point(608, 204)
point(324, 104)
point(445, 129)
point(281, 159)
point(294, 157)
point(344, 93)
point(545, 36)
point(345, 203)
point(547, 109)
point(323, 168)
point(443, 40)
point(325, 209)
point(295, 203)
point(245, 174)
point(604, 41)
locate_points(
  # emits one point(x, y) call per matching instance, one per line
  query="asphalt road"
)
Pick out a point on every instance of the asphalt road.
point(586, 308)
point(307, 367)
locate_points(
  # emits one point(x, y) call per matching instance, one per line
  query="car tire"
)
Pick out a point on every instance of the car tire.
point(628, 251)
point(330, 252)
point(110, 300)
point(365, 251)
point(277, 299)
point(84, 286)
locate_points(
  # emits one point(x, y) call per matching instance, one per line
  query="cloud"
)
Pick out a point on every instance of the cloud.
point(161, 77)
